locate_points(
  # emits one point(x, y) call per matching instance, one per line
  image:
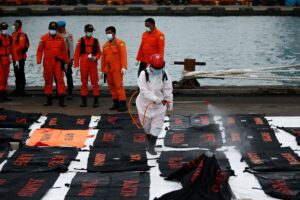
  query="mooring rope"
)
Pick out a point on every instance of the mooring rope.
point(238, 73)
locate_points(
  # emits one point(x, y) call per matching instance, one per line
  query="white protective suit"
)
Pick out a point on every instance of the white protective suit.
point(155, 90)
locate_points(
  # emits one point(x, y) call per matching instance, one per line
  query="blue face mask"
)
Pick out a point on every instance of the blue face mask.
point(109, 37)
point(148, 29)
point(4, 32)
point(52, 32)
point(89, 34)
point(156, 72)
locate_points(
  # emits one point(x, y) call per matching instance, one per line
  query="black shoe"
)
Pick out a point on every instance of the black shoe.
point(48, 100)
point(115, 105)
point(151, 144)
point(62, 101)
point(96, 103)
point(122, 107)
point(83, 101)
point(5, 97)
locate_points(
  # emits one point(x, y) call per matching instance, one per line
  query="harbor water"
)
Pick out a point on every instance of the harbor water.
point(221, 42)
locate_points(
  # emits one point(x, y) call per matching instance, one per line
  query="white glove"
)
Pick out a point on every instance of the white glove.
point(17, 64)
point(157, 100)
point(76, 71)
point(91, 57)
point(170, 106)
point(40, 66)
point(66, 67)
point(123, 71)
point(137, 63)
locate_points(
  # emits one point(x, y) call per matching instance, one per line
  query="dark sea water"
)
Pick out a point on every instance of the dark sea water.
point(222, 42)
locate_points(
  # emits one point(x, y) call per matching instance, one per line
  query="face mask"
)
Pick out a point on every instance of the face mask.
point(4, 32)
point(148, 29)
point(109, 37)
point(156, 72)
point(89, 34)
point(52, 32)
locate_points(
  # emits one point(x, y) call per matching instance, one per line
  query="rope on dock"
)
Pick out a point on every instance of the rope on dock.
point(245, 74)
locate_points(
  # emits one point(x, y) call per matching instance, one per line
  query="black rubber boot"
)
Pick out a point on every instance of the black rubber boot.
point(62, 101)
point(48, 100)
point(122, 107)
point(96, 103)
point(5, 96)
point(83, 101)
point(1, 97)
point(151, 144)
point(115, 105)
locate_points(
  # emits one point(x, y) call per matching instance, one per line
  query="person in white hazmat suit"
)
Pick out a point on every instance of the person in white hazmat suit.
point(156, 89)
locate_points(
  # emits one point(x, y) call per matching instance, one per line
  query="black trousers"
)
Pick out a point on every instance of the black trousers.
point(69, 77)
point(20, 75)
point(142, 67)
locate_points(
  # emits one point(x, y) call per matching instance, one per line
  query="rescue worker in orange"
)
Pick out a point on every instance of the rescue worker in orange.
point(19, 48)
point(55, 59)
point(87, 54)
point(5, 60)
point(153, 42)
point(114, 65)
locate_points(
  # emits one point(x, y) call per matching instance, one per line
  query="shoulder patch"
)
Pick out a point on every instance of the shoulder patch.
point(122, 44)
point(22, 38)
point(161, 37)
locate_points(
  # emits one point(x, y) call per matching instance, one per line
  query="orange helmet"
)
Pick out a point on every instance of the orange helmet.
point(156, 61)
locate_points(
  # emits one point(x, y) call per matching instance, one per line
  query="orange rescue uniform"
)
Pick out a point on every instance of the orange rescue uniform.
point(113, 60)
point(152, 43)
point(87, 66)
point(5, 52)
point(54, 50)
point(19, 43)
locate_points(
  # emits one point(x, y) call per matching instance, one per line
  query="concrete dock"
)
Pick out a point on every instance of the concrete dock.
point(146, 10)
point(272, 101)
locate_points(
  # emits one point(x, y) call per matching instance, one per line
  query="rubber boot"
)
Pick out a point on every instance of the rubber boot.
point(83, 101)
point(1, 97)
point(151, 144)
point(115, 105)
point(62, 101)
point(48, 100)
point(122, 107)
point(5, 96)
point(96, 103)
